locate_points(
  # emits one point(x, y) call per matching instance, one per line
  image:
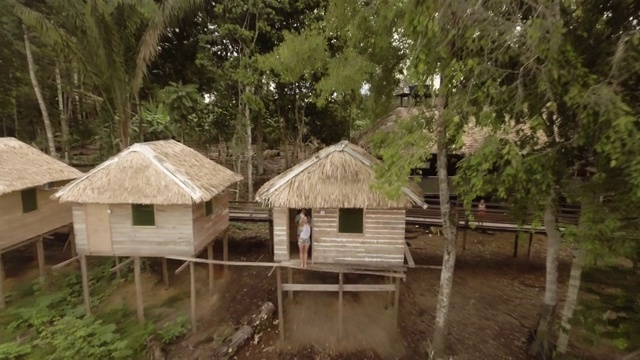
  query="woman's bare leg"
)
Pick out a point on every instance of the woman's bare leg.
point(301, 249)
point(306, 254)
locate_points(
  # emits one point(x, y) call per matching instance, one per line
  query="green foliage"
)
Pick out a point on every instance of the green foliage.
point(14, 351)
point(83, 338)
point(172, 331)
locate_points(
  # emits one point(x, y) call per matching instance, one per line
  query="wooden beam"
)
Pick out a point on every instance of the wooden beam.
point(138, 284)
point(3, 303)
point(464, 234)
point(529, 248)
point(211, 269)
point(396, 302)
point(388, 280)
point(407, 254)
point(165, 273)
point(280, 312)
point(340, 304)
point(64, 263)
point(117, 267)
point(192, 270)
point(182, 267)
point(515, 245)
point(85, 284)
point(290, 281)
point(40, 254)
point(335, 287)
point(225, 249)
point(120, 265)
point(72, 242)
point(428, 267)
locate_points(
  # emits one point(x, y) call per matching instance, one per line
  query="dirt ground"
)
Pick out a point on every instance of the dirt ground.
point(494, 297)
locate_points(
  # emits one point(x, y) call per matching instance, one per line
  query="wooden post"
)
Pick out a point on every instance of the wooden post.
point(340, 304)
point(280, 314)
point(464, 235)
point(72, 243)
point(396, 303)
point(3, 304)
point(138, 283)
point(515, 245)
point(192, 268)
point(529, 248)
point(85, 284)
point(290, 281)
point(211, 269)
point(165, 273)
point(117, 267)
point(271, 235)
point(225, 249)
point(40, 255)
point(388, 280)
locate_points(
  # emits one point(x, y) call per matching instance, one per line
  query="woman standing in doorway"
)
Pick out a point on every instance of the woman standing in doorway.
point(304, 240)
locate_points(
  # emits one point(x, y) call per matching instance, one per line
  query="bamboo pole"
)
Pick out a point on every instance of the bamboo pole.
point(290, 281)
point(85, 284)
point(340, 304)
point(280, 311)
point(211, 269)
point(225, 249)
point(192, 269)
point(165, 273)
point(40, 256)
point(138, 283)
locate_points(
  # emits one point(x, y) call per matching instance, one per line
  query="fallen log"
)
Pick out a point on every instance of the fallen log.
point(253, 326)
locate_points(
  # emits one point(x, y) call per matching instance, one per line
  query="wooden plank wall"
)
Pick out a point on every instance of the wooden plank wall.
point(80, 229)
point(281, 234)
point(172, 235)
point(382, 242)
point(206, 228)
point(17, 227)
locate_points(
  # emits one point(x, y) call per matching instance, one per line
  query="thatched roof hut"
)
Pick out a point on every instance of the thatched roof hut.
point(338, 176)
point(23, 167)
point(162, 172)
point(472, 139)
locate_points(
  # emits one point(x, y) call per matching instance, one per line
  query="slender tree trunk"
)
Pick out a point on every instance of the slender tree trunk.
point(64, 126)
point(38, 91)
point(572, 299)
point(247, 115)
point(259, 146)
point(125, 121)
point(15, 105)
point(449, 230)
point(541, 346)
point(76, 96)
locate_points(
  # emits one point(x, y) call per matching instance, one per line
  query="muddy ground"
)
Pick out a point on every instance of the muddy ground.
point(494, 297)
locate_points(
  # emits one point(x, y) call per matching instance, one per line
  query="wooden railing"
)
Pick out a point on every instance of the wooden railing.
point(496, 216)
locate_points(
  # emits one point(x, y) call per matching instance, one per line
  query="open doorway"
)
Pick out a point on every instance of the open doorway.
point(294, 253)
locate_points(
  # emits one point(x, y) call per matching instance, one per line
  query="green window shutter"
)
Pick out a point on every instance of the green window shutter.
point(143, 215)
point(208, 208)
point(351, 221)
point(29, 200)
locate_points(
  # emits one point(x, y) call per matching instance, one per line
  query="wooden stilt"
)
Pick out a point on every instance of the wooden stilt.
point(40, 255)
point(464, 235)
point(515, 245)
point(117, 266)
point(280, 313)
point(138, 283)
point(165, 273)
point(85, 284)
point(3, 304)
point(388, 280)
point(340, 304)
point(396, 302)
point(529, 248)
point(290, 281)
point(192, 268)
point(225, 249)
point(211, 269)
point(271, 241)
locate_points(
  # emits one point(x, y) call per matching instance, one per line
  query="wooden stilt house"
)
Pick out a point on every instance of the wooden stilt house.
point(153, 199)
point(28, 177)
point(351, 222)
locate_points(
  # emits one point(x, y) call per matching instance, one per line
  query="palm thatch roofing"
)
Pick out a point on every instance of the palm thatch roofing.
point(162, 172)
point(473, 136)
point(338, 176)
point(22, 166)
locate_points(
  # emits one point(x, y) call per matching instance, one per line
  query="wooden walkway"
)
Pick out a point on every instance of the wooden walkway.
point(497, 217)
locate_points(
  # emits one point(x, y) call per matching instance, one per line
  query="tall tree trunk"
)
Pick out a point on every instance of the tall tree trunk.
point(449, 230)
point(247, 115)
point(38, 91)
point(64, 126)
point(572, 298)
point(259, 146)
point(541, 345)
point(15, 105)
point(125, 121)
point(77, 85)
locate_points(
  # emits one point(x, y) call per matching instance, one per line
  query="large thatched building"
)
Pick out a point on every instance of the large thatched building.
point(351, 222)
point(28, 177)
point(153, 199)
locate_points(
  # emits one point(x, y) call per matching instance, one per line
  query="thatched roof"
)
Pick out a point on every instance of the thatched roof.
point(473, 136)
point(162, 172)
point(338, 176)
point(23, 166)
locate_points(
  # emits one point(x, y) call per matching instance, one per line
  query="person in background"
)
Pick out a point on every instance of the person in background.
point(298, 220)
point(304, 241)
point(482, 208)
